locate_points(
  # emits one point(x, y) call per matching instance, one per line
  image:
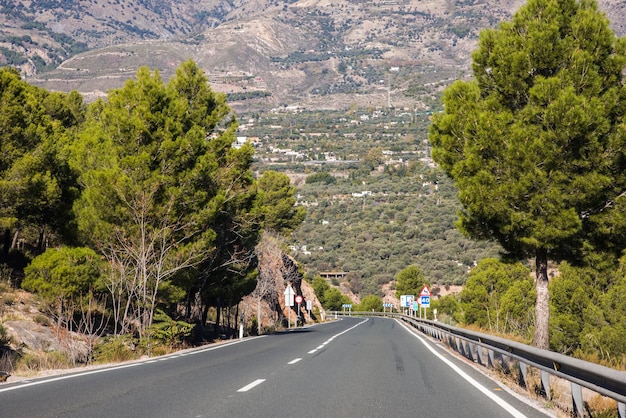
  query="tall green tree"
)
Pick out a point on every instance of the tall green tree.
point(37, 187)
point(410, 281)
point(276, 203)
point(163, 189)
point(371, 303)
point(536, 144)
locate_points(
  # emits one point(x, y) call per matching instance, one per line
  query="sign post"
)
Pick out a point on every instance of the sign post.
point(299, 302)
point(289, 294)
point(424, 299)
point(349, 306)
point(406, 301)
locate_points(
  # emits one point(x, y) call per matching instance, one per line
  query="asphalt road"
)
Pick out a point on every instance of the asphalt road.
point(353, 367)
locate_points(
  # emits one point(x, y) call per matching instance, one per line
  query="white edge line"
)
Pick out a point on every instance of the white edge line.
point(251, 385)
point(501, 402)
point(19, 385)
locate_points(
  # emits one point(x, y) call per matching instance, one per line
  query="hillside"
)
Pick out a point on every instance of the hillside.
point(313, 54)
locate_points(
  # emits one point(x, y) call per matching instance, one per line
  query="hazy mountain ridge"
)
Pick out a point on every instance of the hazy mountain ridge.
point(315, 54)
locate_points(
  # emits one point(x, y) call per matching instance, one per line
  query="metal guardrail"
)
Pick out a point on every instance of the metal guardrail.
point(581, 374)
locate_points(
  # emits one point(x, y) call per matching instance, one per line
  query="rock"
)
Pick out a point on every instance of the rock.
point(35, 337)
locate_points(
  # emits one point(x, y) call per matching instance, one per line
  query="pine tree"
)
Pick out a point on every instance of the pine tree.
point(536, 142)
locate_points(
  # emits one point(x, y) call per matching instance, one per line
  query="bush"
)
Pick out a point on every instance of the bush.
point(42, 320)
point(169, 332)
point(115, 349)
point(34, 362)
point(4, 336)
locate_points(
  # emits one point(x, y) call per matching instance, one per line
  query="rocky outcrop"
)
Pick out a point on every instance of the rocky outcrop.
point(278, 270)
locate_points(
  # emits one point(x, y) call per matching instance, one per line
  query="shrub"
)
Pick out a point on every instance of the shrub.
point(4, 336)
point(38, 361)
point(115, 349)
point(169, 332)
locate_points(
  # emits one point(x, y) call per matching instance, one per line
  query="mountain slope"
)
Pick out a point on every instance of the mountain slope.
point(316, 54)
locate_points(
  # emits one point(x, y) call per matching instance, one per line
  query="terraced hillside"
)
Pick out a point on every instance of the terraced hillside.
point(314, 54)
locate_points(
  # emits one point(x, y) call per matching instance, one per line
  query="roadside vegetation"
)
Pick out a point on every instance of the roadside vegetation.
point(136, 221)
point(133, 218)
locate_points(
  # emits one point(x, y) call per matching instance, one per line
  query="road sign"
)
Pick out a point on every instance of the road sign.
point(309, 305)
point(289, 294)
point(425, 291)
point(299, 299)
point(425, 301)
point(409, 300)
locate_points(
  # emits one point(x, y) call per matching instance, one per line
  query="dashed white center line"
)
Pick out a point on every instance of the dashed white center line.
point(251, 385)
point(294, 361)
point(312, 351)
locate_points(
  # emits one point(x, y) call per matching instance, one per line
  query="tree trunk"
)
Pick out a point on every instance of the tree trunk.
point(542, 306)
point(7, 242)
point(15, 241)
point(41, 241)
point(218, 318)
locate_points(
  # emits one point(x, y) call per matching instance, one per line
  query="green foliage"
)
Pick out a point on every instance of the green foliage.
point(169, 332)
point(588, 318)
point(12, 57)
point(248, 95)
point(64, 274)
point(331, 298)
point(37, 187)
point(321, 177)
point(499, 297)
point(534, 143)
point(115, 349)
point(410, 281)
point(532, 194)
point(448, 309)
point(334, 299)
point(276, 202)
point(370, 303)
point(159, 197)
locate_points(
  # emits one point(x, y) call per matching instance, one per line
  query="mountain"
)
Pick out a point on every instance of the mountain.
point(313, 54)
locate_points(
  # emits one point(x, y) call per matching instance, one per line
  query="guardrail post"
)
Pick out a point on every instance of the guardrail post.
point(523, 374)
point(510, 355)
point(481, 355)
point(504, 361)
point(545, 384)
point(577, 399)
point(470, 354)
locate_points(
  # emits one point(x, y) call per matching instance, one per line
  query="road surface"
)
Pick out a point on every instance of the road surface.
point(352, 367)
